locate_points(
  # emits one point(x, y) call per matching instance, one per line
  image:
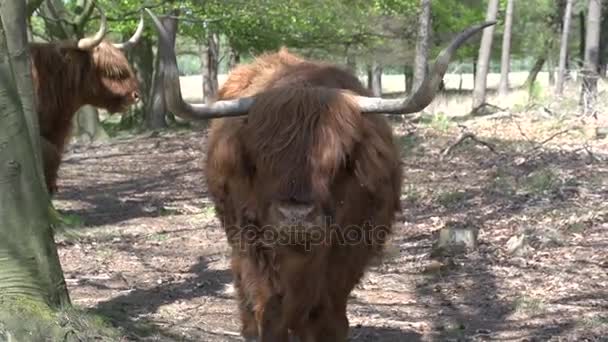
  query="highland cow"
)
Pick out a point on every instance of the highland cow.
point(70, 74)
point(305, 182)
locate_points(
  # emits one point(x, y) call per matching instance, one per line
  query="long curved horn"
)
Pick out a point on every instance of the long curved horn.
point(238, 107)
point(88, 43)
point(139, 32)
point(173, 94)
point(427, 90)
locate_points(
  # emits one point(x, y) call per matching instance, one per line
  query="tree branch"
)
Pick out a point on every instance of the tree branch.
point(82, 18)
point(464, 136)
point(32, 6)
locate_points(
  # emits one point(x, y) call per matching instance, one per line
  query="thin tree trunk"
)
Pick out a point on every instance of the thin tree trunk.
point(590, 68)
point(582, 33)
point(374, 78)
point(563, 51)
point(87, 127)
point(422, 43)
point(210, 65)
point(29, 263)
point(351, 60)
point(483, 61)
point(409, 78)
point(143, 63)
point(505, 61)
point(551, 68)
point(536, 68)
point(155, 114)
point(234, 58)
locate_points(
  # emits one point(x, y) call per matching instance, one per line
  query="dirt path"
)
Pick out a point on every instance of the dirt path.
point(150, 254)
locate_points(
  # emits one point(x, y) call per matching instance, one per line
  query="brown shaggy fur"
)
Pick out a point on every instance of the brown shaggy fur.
point(302, 142)
point(65, 79)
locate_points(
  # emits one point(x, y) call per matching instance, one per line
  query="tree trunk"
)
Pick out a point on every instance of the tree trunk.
point(483, 61)
point(582, 30)
point(143, 63)
point(409, 79)
point(374, 78)
point(351, 61)
point(503, 87)
point(563, 50)
point(155, 114)
point(87, 127)
point(210, 64)
point(536, 68)
point(29, 264)
point(551, 68)
point(590, 68)
point(234, 58)
point(422, 44)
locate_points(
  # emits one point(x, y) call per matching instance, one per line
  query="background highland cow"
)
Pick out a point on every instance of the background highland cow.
point(70, 74)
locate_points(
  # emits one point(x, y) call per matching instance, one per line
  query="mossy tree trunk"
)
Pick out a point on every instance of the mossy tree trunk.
point(29, 264)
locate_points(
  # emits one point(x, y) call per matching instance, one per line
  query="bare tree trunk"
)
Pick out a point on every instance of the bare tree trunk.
point(87, 127)
point(409, 78)
point(351, 60)
point(374, 78)
point(483, 61)
point(551, 68)
point(536, 68)
point(582, 32)
point(590, 68)
point(505, 61)
point(234, 58)
point(563, 51)
point(422, 44)
point(29, 265)
point(155, 114)
point(143, 63)
point(210, 64)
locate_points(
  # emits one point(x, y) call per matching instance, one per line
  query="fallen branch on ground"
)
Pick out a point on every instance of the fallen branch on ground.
point(464, 136)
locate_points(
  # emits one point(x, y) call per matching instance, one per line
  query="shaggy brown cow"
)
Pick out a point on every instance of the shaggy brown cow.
point(305, 186)
point(70, 74)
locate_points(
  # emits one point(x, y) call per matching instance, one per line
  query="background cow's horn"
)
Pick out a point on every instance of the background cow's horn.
point(173, 95)
point(427, 90)
point(139, 32)
point(88, 43)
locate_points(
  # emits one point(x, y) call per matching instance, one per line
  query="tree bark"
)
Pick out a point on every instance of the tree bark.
point(155, 114)
point(374, 78)
point(582, 30)
point(87, 127)
point(483, 61)
point(536, 68)
point(563, 50)
point(505, 61)
point(422, 44)
point(234, 58)
point(210, 64)
point(590, 67)
point(143, 63)
point(409, 79)
point(29, 264)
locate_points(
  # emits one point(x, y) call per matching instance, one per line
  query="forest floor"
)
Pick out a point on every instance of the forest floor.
point(145, 249)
